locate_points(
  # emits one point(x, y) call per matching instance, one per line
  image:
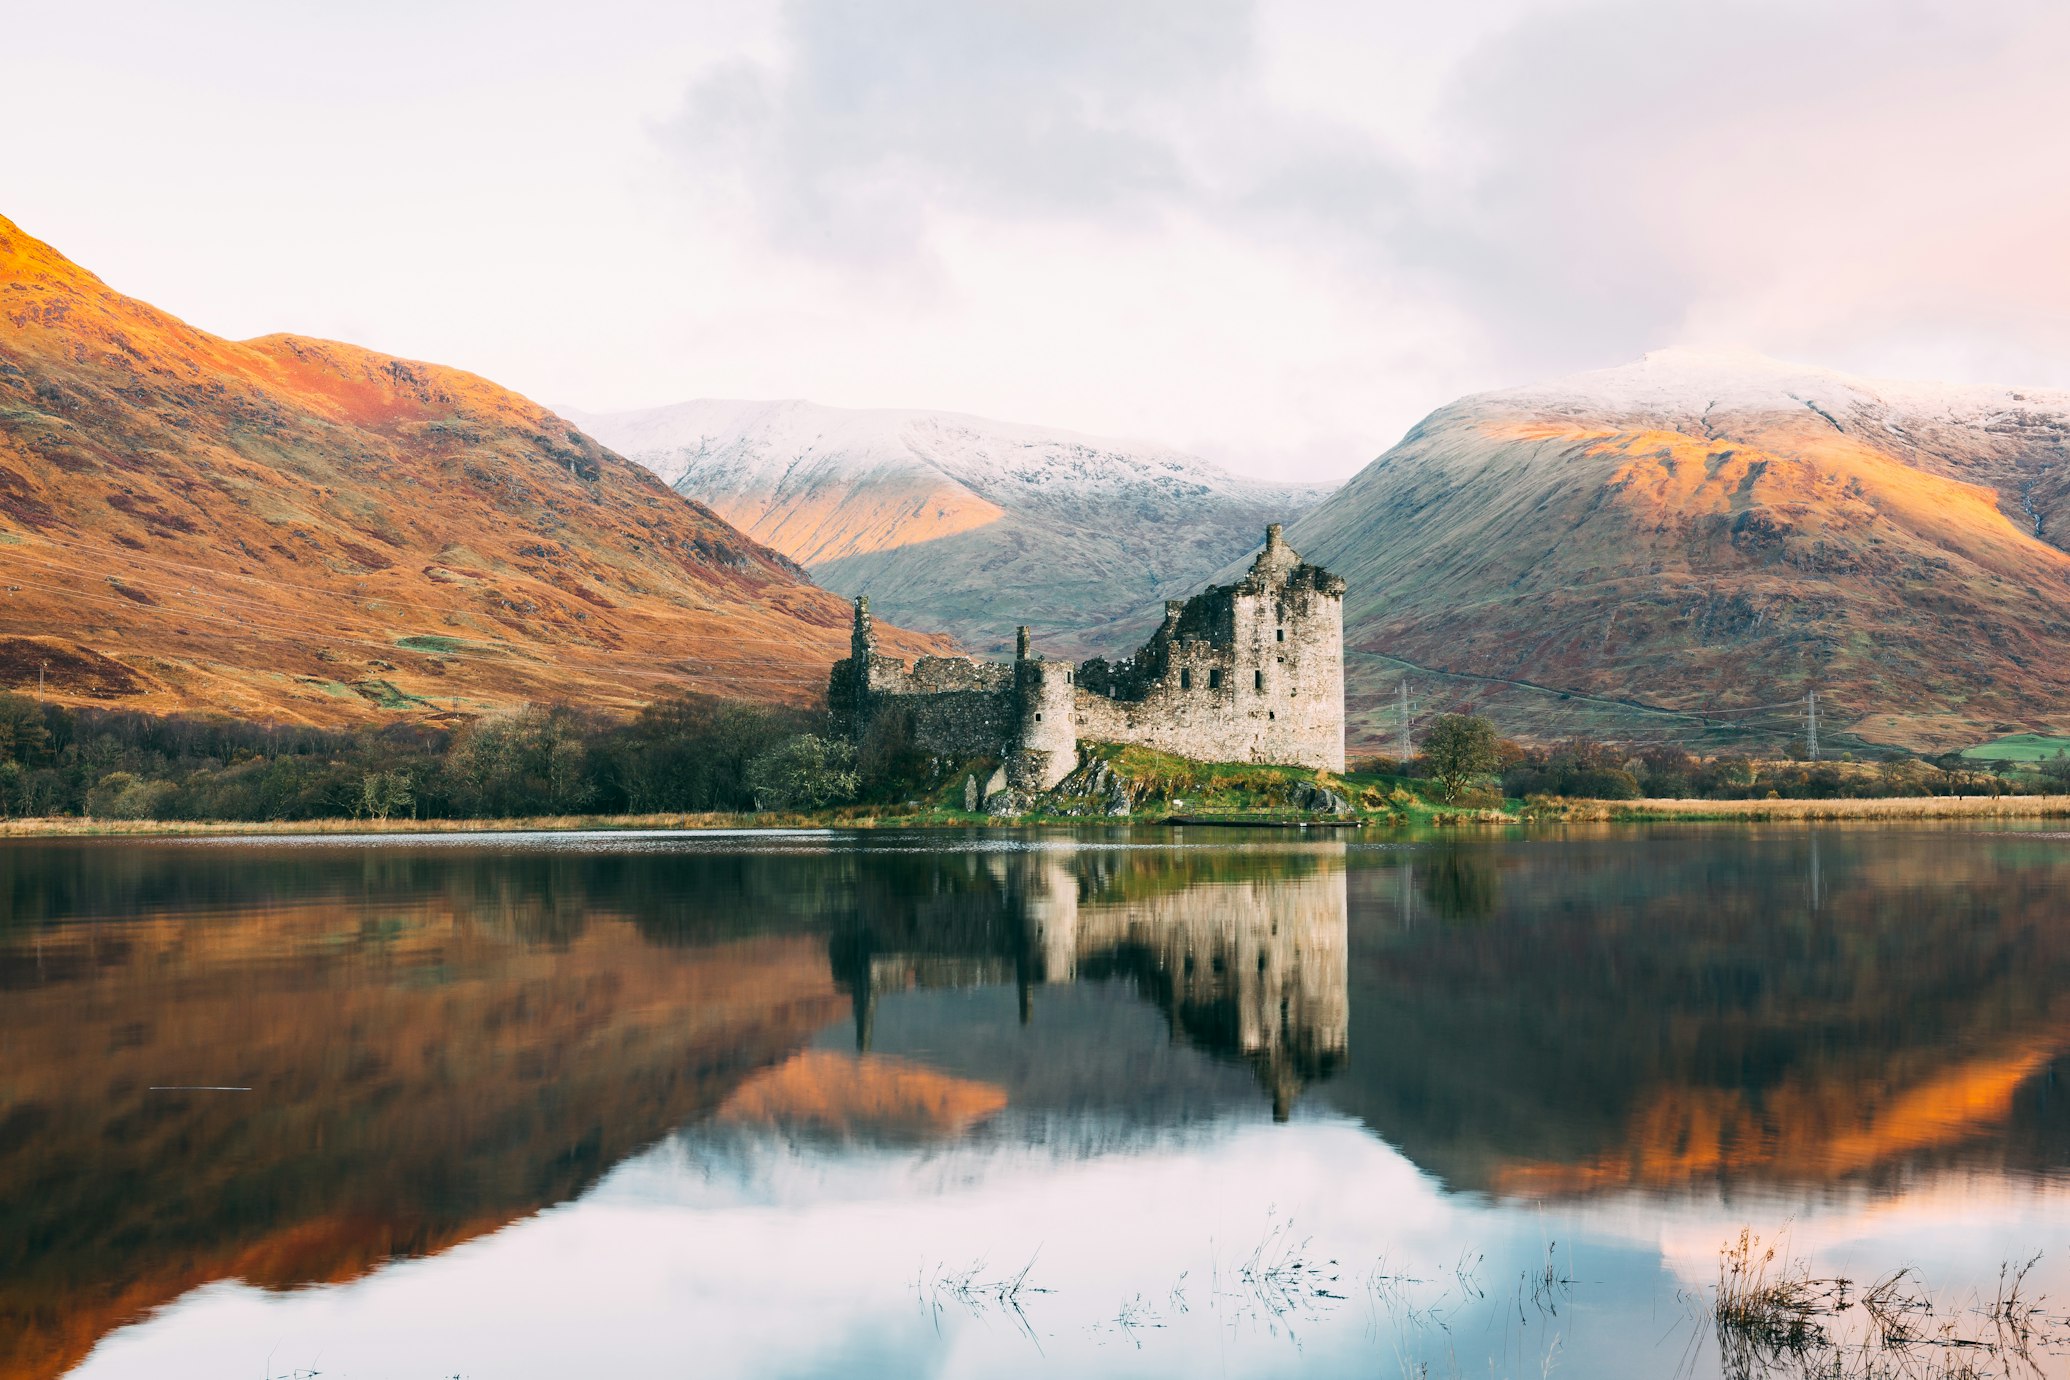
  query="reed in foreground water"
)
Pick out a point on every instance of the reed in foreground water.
point(1775, 1318)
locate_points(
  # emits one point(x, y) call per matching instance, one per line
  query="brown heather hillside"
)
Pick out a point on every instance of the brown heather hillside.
point(1694, 533)
point(302, 530)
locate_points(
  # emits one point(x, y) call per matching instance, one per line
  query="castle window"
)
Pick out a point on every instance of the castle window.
point(1067, 677)
point(1214, 680)
point(1282, 635)
point(1185, 680)
point(1038, 716)
point(1257, 680)
point(1282, 661)
point(1270, 714)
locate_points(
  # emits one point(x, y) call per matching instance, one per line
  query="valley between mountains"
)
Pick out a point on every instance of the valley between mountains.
point(960, 523)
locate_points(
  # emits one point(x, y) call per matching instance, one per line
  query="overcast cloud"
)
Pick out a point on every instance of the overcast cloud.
point(1277, 234)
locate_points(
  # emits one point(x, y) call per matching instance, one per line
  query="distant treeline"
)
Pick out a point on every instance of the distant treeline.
point(1584, 769)
point(693, 754)
point(688, 753)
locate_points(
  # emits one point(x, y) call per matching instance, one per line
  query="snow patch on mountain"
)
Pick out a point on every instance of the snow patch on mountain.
point(736, 446)
point(1681, 382)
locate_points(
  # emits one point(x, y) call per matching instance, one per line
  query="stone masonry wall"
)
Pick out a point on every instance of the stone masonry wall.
point(1248, 672)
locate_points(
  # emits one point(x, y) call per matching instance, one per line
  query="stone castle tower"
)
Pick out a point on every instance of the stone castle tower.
point(1247, 672)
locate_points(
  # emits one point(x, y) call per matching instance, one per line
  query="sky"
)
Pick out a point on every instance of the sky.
point(1273, 234)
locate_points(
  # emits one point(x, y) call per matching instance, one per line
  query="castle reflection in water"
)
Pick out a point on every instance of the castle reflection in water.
point(442, 1039)
point(1243, 967)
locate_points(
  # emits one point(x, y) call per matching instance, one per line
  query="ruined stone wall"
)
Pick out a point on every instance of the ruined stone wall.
point(1250, 672)
point(955, 706)
point(934, 675)
point(960, 723)
point(1247, 672)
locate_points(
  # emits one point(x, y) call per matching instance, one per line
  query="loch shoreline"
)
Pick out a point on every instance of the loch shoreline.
point(1838, 810)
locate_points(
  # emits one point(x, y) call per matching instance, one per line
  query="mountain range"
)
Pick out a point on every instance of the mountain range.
point(958, 523)
point(1670, 548)
point(301, 530)
point(1682, 548)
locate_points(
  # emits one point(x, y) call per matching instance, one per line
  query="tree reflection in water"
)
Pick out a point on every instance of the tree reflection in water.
point(443, 1039)
point(440, 1040)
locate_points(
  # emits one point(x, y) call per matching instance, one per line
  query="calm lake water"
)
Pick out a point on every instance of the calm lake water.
point(1228, 1103)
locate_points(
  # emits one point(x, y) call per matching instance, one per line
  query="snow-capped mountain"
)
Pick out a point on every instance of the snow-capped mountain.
point(2010, 438)
point(961, 523)
point(1697, 531)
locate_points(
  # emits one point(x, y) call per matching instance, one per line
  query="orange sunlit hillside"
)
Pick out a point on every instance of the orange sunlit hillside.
point(880, 515)
point(302, 530)
point(1681, 557)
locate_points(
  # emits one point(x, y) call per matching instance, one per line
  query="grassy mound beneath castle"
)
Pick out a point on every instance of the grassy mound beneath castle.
point(1128, 781)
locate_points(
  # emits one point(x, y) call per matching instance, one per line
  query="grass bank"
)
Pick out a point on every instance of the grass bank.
point(1851, 807)
point(1216, 795)
point(849, 818)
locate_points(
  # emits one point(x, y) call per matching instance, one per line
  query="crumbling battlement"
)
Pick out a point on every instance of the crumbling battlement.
point(1247, 672)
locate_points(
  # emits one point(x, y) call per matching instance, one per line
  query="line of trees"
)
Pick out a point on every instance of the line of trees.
point(693, 753)
point(1473, 765)
point(688, 753)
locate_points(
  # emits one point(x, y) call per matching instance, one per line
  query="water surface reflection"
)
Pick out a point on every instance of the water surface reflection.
point(532, 1107)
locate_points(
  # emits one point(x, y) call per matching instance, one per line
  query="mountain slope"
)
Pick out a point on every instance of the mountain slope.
point(299, 529)
point(960, 523)
point(1707, 532)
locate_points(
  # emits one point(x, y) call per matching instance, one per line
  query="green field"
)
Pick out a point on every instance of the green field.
point(2018, 747)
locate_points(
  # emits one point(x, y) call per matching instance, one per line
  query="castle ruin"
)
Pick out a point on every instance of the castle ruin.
point(1246, 672)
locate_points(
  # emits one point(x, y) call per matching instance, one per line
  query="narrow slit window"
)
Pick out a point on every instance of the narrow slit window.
point(1214, 680)
point(1257, 680)
point(1185, 680)
point(1282, 635)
